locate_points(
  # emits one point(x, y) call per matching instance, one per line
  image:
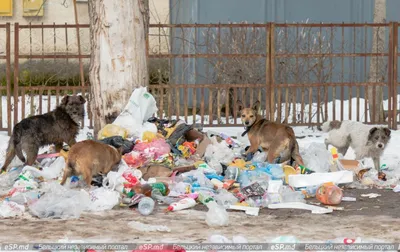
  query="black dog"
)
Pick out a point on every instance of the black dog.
point(55, 127)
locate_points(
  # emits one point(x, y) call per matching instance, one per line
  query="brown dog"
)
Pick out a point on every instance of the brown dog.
point(276, 139)
point(89, 158)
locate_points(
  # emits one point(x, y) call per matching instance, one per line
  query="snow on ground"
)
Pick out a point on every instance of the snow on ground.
point(312, 135)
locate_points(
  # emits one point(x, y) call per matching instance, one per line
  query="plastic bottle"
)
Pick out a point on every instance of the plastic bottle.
point(232, 172)
point(182, 204)
point(146, 189)
point(156, 194)
point(146, 206)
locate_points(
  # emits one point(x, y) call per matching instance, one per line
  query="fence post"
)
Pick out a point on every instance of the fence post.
point(8, 76)
point(272, 71)
point(394, 80)
point(390, 77)
point(16, 71)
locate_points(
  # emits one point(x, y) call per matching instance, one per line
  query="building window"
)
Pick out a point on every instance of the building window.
point(6, 8)
point(33, 8)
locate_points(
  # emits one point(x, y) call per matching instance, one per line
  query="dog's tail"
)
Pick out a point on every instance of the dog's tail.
point(11, 152)
point(294, 147)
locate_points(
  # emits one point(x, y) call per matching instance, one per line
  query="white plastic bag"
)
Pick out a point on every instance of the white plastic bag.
point(51, 172)
point(60, 202)
point(102, 199)
point(147, 227)
point(140, 107)
point(216, 216)
point(11, 209)
point(316, 157)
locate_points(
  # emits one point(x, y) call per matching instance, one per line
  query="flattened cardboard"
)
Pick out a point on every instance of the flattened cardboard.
point(201, 149)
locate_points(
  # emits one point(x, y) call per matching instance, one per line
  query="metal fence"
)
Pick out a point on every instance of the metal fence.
point(303, 74)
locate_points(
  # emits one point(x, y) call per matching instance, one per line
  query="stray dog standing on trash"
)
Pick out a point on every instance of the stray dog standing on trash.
point(55, 127)
point(89, 158)
point(276, 139)
point(365, 140)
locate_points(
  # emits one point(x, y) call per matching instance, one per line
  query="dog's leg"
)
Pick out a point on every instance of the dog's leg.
point(67, 174)
point(377, 163)
point(31, 153)
point(296, 155)
point(327, 143)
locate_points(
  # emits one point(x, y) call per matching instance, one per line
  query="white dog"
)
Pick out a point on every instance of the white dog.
point(365, 140)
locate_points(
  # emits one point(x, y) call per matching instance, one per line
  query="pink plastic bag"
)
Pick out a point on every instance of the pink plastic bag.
point(135, 159)
point(155, 148)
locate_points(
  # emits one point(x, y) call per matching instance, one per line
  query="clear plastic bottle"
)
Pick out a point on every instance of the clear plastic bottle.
point(146, 206)
point(156, 194)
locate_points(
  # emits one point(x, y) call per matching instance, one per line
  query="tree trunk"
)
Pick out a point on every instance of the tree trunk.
point(118, 56)
point(377, 63)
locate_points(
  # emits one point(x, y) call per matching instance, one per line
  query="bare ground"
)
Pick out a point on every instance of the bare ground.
point(377, 218)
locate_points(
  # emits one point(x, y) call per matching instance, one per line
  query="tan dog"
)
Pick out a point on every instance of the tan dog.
point(89, 158)
point(276, 139)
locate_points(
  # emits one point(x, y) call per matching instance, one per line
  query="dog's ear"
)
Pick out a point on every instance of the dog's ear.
point(371, 132)
point(64, 100)
point(256, 106)
point(387, 131)
point(82, 99)
point(239, 105)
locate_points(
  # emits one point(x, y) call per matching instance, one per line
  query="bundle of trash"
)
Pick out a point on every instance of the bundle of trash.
point(168, 165)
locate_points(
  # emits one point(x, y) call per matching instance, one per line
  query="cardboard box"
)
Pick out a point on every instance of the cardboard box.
point(350, 165)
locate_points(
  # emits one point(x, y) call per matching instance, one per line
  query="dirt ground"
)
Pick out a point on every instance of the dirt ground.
point(377, 218)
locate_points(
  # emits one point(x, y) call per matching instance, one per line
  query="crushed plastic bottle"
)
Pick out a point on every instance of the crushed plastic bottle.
point(217, 215)
point(259, 157)
point(146, 206)
point(156, 194)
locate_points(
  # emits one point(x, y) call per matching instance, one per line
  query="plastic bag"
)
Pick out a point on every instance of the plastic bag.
point(140, 107)
point(154, 149)
point(7, 179)
point(51, 172)
point(225, 198)
point(103, 199)
point(136, 159)
point(217, 154)
point(216, 216)
point(118, 141)
point(148, 228)
point(60, 202)
point(26, 180)
point(317, 158)
point(111, 130)
point(11, 209)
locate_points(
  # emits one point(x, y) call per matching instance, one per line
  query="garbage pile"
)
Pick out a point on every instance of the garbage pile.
point(170, 165)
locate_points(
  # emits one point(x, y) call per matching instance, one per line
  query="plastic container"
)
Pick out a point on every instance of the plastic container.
point(182, 204)
point(293, 196)
point(146, 206)
point(329, 194)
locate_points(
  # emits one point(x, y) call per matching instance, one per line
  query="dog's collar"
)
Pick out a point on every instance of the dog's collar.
point(246, 130)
